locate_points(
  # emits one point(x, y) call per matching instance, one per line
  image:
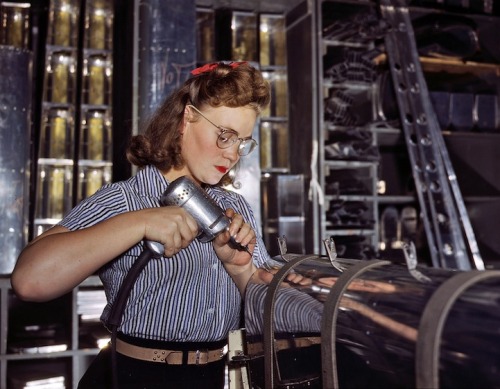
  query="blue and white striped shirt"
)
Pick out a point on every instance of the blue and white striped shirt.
point(186, 298)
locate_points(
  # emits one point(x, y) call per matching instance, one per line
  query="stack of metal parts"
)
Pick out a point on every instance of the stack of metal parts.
point(357, 66)
point(463, 111)
point(348, 182)
point(360, 29)
point(352, 144)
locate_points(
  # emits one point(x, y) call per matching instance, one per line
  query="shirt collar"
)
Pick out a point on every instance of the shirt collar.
point(153, 182)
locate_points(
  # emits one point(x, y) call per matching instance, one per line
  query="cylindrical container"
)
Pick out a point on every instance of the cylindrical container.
point(56, 140)
point(54, 182)
point(272, 40)
point(210, 217)
point(95, 179)
point(14, 24)
point(244, 36)
point(15, 155)
point(205, 39)
point(92, 176)
point(376, 316)
point(97, 80)
point(60, 77)
point(95, 139)
point(279, 100)
point(98, 25)
point(63, 23)
point(274, 145)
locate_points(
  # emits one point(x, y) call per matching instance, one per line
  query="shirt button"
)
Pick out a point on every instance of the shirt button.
point(214, 266)
point(210, 311)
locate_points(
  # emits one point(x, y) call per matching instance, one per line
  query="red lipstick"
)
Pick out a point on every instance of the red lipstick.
point(222, 169)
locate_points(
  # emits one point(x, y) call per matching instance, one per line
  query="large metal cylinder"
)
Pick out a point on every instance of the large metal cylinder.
point(376, 324)
point(166, 50)
point(15, 152)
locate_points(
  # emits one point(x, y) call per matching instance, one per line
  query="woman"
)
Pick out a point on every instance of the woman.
point(182, 305)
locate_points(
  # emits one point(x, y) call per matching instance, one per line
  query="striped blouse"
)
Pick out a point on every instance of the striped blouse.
point(186, 298)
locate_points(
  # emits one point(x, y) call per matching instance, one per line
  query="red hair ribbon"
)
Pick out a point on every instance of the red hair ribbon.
point(211, 66)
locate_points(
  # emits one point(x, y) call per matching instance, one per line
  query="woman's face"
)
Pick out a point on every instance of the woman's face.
point(204, 160)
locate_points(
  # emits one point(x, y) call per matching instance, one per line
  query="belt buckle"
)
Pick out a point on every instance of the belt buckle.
point(198, 354)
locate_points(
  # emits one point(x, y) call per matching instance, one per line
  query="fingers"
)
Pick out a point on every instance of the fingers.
point(180, 234)
point(178, 240)
point(171, 226)
point(239, 230)
point(241, 233)
point(298, 279)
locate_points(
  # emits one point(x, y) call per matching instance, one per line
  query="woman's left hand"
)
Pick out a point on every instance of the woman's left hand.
point(238, 263)
point(243, 234)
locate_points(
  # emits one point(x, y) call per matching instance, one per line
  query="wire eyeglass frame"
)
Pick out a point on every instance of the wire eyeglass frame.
point(228, 137)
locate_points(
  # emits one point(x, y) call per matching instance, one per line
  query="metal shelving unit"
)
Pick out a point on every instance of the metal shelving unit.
point(347, 43)
point(348, 160)
point(46, 341)
point(75, 145)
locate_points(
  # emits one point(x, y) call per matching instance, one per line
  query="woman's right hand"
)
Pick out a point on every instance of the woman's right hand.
point(171, 226)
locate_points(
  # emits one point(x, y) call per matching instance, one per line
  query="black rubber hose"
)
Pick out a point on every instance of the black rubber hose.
point(118, 307)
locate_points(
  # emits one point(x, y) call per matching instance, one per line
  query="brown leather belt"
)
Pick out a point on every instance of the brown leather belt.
point(283, 344)
point(170, 357)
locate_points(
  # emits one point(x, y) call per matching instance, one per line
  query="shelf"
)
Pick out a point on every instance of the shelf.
point(48, 355)
point(55, 162)
point(340, 164)
point(95, 163)
point(454, 66)
point(367, 198)
point(343, 231)
point(339, 43)
point(74, 357)
point(353, 85)
point(274, 119)
point(382, 199)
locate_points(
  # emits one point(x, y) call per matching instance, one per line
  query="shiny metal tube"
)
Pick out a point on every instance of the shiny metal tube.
point(15, 155)
point(384, 322)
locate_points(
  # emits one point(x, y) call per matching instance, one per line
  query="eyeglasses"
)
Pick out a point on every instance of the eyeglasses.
point(227, 137)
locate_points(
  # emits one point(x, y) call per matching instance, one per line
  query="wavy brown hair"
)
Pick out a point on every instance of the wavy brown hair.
point(223, 84)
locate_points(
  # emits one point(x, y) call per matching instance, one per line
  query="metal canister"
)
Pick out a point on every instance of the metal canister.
point(60, 81)
point(15, 152)
point(96, 129)
point(63, 23)
point(97, 75)
point(15, 24)
point(98, 25)
point(57, 136)
point(54, 188)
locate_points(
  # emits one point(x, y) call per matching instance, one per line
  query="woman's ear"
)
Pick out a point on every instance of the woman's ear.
point(186, 119)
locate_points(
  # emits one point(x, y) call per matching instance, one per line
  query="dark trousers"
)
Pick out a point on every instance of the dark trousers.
point(136, 374)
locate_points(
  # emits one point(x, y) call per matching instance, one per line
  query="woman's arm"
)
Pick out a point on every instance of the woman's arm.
point(59, 259)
